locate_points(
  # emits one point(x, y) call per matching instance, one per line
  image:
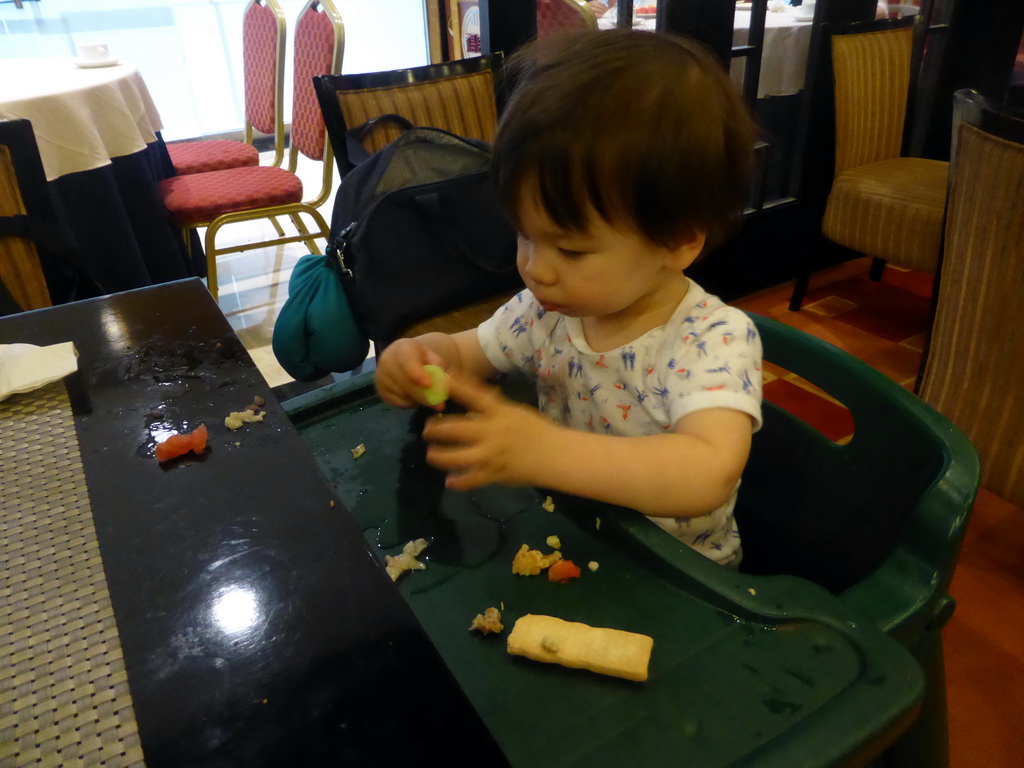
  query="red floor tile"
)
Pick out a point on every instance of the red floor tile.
point(830, 419)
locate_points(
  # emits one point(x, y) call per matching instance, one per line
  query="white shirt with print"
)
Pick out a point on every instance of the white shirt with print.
point(708, 355)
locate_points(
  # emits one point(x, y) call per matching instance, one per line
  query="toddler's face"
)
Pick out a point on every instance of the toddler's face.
point(600, 271)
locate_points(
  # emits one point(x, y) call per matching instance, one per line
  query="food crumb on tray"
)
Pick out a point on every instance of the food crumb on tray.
point(530, 562)
point(487, 623)
point(358, 451)
point(398, 564)
point(554, 542)
point(548, 505)
point(572, 644)
point(593, 565)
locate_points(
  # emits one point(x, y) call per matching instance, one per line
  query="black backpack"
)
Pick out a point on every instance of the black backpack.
point(416, 231)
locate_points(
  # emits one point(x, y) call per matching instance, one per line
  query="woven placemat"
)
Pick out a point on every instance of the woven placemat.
point(64, 696)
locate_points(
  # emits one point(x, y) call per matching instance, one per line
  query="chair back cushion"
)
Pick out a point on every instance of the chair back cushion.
point(260, 44)
point(315, 54)
point(975, 365)
point(872, 78)
point(554, 16)
point(463, 105)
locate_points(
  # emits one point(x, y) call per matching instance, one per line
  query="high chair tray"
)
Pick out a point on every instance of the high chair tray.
point(745, 670)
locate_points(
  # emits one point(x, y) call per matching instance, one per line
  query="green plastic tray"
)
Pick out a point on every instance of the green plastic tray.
point(745, 670)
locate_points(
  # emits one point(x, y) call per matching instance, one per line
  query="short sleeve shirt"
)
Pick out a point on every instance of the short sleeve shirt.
point(708, 355)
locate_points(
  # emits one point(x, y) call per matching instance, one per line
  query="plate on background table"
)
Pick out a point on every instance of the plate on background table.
point(95, 63)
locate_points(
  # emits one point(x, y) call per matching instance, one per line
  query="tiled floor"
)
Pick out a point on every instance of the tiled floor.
point(254, 284)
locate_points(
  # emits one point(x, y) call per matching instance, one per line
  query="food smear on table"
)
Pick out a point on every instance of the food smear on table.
point(489, 622)
point(237, 419)
point(562, 571)
point(551, 640)
point(180, 444)
point(398, 564)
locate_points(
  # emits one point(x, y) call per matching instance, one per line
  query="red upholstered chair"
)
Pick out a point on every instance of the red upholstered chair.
point(554, 16)
point(218, 198)
point(263, 41)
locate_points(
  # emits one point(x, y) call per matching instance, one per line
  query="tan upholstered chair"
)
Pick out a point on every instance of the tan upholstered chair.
point(975, 366)
point(882, 203)
point(20, 270)
point(457, 96)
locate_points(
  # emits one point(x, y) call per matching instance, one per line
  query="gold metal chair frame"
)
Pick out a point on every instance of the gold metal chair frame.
point(292, 210)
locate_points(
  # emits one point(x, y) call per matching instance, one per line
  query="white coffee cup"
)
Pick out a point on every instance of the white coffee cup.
point(93, 51)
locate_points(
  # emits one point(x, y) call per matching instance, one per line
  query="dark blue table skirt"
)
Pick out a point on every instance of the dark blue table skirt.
point(116, 220)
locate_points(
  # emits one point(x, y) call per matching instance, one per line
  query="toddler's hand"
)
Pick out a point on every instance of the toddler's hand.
point(498, 441)
point(401, 378)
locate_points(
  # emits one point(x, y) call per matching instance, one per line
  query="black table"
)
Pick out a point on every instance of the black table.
point(256, 627)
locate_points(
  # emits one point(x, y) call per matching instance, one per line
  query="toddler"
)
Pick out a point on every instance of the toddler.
point(621, 158)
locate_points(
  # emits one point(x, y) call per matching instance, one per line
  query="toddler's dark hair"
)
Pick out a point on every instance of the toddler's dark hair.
point(646, 130)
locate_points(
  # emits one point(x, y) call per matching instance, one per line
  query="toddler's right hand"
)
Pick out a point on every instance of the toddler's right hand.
point(401, 378)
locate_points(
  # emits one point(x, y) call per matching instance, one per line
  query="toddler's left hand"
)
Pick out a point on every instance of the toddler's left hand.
point(498, 441)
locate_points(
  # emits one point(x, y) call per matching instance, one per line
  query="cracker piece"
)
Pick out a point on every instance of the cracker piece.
point(572, 644)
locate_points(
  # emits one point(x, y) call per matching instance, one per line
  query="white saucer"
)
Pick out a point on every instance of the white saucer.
point(95, 63)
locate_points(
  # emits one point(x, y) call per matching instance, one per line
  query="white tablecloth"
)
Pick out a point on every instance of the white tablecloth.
point(783, 57)
point(81, 117)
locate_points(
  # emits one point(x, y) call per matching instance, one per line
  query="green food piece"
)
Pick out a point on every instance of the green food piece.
point(437, 392)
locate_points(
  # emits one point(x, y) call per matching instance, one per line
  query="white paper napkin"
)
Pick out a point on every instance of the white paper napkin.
point(24, 367)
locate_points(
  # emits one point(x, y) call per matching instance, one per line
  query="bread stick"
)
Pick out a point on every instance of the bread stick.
point(605, 651)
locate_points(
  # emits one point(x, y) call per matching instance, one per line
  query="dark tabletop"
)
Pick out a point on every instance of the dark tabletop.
point(256, 626)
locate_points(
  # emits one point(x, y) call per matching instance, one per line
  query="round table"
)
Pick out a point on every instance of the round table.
point(82, 117)
point(783, 54)
point(98, 133)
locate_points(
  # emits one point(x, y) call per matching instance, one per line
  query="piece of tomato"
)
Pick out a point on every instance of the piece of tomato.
point(563, 570)
point(177, 445)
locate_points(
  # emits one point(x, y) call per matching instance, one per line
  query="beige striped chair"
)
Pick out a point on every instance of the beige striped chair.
point(974, 368)
point(457, 96)
point(20, 271)
point(882, 203)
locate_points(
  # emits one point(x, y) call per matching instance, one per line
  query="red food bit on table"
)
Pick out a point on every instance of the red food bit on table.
point(176, 445)
point(563, 570)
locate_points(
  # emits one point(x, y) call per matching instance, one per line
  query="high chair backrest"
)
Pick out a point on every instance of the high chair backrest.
point(872, 76)
point(457, 96)
point(263, 44)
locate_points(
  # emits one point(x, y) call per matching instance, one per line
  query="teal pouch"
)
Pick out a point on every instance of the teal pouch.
point(316, 333)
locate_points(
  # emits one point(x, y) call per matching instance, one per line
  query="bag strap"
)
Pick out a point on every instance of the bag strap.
point(354, 136)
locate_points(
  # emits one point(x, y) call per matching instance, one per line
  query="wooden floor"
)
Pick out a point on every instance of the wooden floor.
point(884, 324)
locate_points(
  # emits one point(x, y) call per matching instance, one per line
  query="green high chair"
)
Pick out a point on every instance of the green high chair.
point(878, 521)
